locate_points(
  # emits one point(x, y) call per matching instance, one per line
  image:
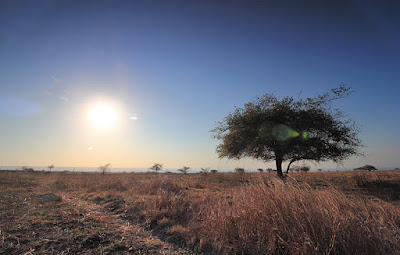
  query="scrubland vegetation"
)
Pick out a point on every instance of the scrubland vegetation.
point(223, 213)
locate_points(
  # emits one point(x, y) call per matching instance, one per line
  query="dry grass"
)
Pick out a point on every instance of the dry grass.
point(285, 219)
point(251, 213)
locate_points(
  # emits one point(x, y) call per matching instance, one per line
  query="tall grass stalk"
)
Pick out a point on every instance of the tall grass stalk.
point(290, 219)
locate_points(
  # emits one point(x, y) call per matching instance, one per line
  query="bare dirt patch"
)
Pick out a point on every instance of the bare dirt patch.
point(35, 222)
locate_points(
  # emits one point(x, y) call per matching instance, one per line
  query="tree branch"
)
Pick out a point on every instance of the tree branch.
point(290, 163)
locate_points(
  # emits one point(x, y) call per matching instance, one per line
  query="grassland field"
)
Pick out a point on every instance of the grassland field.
point(222, 213)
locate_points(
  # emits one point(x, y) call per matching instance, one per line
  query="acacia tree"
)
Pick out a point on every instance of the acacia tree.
point(184, 169)
point(303, 168)
point(205, 170)
point(156, 167)
point(104, 169)
point(366, 167)
point(289, 129)
point(50, 167)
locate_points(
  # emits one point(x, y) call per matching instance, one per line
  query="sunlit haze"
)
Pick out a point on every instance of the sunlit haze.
point(133, 83)
point(103, 116)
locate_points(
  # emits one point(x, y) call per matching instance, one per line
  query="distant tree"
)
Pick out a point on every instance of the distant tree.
point(50, 167)
point(269, 170)
point(289, 130)
point(260, 170)
point(27, 169)
point(104, 168)
point(184, 169)
point(319, 170)
point(214, 171)
point(239, 170)
point(366, 168)
point(204, 170)
point(396, 169)
point(156, 167)
point(304, 168)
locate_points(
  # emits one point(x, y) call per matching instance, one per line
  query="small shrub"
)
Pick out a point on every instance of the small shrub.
point(205, 170)
point(114, 185)
point(239, 170)
point(161, 183)
point(60, 185)
point(28, 169)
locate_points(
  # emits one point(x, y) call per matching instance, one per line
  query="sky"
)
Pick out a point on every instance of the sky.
point(167, 71)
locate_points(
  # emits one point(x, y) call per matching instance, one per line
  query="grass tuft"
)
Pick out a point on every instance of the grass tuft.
point(285, 219)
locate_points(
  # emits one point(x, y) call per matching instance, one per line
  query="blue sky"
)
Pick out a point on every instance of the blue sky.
point(178, 67)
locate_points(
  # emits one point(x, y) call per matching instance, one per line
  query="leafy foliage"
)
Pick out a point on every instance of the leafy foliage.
point(239, 170)
point(366, 167)
point(184, 169)
point(302, 168)
point(205, 170)
point(156, 167)
point(104, 168)
point(28, 169)
point(289, 130)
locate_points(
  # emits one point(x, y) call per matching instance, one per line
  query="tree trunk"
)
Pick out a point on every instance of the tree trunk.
point(288, 167)
point(279, 167)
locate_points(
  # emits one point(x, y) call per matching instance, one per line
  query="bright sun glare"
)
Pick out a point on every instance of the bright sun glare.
point(103, 116)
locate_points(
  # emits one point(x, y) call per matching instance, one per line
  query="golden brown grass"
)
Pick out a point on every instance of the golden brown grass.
point(288, 219)
point(251, 213)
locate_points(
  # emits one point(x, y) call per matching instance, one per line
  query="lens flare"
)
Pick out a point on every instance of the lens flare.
point(282, 132)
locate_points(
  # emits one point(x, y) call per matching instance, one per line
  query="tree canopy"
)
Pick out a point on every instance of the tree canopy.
point(366, 167)
point(50, 167)
point(156, 167)
point(184, 169)
point(289, 129)
point(104, 168)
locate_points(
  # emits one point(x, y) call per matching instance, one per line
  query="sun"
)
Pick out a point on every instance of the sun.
point(103, 116)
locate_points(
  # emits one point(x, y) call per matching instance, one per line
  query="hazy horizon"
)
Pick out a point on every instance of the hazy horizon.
point(173, 169)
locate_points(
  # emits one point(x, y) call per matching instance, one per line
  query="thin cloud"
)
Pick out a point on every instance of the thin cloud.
point(55, 79)
point(47, 92)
